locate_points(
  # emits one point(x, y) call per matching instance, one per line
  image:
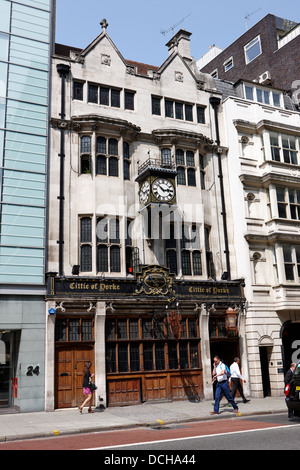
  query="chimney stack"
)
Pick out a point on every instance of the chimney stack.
point(181, 43)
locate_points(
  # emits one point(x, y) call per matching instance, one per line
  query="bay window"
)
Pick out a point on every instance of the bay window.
point(291, 257)
point(284, 148)
point(288, 203)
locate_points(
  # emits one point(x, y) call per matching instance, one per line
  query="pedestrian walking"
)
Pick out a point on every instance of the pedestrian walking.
point(287, 379)
point(220, 376)
point(236, 376)
point(88, 394)
point(222, 394)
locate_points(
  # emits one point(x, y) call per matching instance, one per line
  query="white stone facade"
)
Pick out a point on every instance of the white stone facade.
point(119, 116)
point(263, 178)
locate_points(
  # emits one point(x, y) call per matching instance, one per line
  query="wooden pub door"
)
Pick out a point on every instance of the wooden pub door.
point(69, 363)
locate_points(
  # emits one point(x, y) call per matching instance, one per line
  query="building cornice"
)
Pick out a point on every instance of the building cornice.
point(272, 238)
point(91, 122)
point(173, 135)
point(270, 178)
point(274, 126)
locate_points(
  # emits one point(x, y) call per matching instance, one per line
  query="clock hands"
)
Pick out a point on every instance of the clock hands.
point(162, 190)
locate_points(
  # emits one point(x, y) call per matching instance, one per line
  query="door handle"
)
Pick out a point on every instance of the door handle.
point(64, 374)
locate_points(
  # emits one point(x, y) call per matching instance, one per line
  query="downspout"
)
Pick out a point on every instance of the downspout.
point(63, 70)
point(214, 101)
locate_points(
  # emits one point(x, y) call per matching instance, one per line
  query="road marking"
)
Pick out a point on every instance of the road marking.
point(194, 437)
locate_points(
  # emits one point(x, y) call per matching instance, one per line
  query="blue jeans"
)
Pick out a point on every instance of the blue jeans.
point(225, 387)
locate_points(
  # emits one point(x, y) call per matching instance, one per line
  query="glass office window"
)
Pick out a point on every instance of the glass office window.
point(25, 152)
point(42, 4)
point(21, 265)
point(26, 117)
point(3, 78)
point(4, 40)
point(1, 149)
point(28, 85)
point(30, 22)
point(2, 111)
point(29, 53)
point(5, 15)
point(23, 188)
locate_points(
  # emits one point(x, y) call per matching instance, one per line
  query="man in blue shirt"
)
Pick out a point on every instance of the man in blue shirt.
point(220, 376)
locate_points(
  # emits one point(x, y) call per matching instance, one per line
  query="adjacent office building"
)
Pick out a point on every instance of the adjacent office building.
point(25, 43)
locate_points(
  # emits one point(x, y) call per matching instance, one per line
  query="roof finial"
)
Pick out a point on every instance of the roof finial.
point(104, 25)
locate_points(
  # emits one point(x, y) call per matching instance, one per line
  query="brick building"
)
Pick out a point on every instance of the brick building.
point(268, 53)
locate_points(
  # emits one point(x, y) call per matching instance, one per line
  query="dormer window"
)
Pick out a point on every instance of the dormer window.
point(263, 95)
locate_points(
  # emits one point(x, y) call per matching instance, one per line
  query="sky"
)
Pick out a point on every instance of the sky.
point(140, 29)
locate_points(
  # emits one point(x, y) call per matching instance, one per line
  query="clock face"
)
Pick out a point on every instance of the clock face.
point(163, 190)
point(144, 192)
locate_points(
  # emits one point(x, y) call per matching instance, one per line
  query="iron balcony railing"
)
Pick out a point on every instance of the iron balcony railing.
point(157, 163)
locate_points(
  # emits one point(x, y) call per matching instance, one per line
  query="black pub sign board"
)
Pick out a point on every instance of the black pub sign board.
point(152, 281)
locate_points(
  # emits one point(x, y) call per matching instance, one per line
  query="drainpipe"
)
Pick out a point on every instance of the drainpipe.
point(63, 70)
point(214, 101)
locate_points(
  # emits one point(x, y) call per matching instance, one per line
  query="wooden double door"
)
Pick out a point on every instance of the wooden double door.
point(69, 365)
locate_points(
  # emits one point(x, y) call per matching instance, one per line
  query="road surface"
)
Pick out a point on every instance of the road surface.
point(268, 432)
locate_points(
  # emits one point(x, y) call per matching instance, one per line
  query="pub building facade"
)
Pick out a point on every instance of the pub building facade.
point(141, 271)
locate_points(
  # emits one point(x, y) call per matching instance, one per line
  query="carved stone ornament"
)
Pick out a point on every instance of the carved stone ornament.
point(79, 59)
point(62, 124)
point(105, 59)
point(130, 70)
point(76, 126)
point(179, 77)
point(104, 25)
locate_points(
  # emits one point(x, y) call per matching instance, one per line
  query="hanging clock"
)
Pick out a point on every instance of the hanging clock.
point(163, 190)
point(144, 192)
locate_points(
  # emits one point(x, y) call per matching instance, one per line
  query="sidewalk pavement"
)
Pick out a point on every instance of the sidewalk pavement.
point(64, 422)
